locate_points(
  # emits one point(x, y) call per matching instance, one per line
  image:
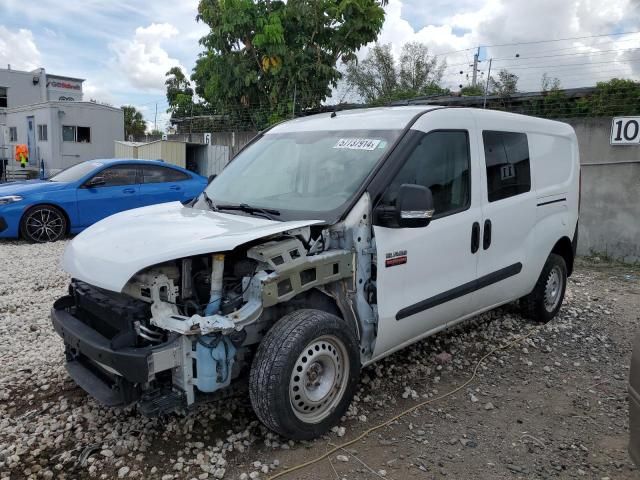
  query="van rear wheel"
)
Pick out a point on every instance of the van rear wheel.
point(305, 374)
point(544, 302)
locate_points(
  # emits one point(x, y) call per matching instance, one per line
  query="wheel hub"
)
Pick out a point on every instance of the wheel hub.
point(553, 289)
point(313, 374)
point(319, 379)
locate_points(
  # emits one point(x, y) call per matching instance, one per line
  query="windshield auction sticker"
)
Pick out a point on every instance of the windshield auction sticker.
point(357, 143)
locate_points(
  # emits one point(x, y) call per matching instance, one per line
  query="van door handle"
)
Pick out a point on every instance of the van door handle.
point(486, 237)
point(174, 187)
point(475, 237)
point(128, 190)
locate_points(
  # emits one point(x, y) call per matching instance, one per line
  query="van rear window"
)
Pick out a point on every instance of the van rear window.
point(507, 157)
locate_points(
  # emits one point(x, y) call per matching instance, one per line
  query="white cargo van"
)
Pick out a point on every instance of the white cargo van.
point(328, 243)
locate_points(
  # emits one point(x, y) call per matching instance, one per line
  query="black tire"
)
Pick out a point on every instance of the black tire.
point(43, 223)
point(309, 342)
point(544, 302)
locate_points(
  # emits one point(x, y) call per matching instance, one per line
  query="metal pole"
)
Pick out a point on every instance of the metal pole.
point(295, 90)
point(474, 80)
point(486, 88)
point(155, 119)
point(191, 121)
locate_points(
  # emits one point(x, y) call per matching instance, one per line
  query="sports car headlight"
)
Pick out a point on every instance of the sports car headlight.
point(10, 199)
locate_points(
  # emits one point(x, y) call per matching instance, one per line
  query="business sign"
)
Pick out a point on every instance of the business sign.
point(65, 85)
point(625, 131)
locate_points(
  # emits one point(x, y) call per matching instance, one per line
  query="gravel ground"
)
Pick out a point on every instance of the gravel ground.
point(553, 406)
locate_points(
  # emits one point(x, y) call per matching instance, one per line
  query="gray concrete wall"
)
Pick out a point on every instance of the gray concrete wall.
point(610, 207)
point(106, 124)
point(28, 88)
point(20, 87)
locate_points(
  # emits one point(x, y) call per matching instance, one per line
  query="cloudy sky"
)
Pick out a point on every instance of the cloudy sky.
point(124, 47)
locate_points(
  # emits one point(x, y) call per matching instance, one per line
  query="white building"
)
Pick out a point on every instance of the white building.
point(47, 113)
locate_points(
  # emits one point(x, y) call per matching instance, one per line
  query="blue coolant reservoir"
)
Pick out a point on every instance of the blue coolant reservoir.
point(214, 360)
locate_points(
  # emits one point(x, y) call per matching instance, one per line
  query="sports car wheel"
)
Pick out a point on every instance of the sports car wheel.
point(43, 223)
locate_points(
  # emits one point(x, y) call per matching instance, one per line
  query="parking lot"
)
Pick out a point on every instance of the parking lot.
point(552, 406)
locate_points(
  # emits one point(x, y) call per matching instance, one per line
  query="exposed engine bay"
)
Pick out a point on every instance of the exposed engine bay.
point(182, 331)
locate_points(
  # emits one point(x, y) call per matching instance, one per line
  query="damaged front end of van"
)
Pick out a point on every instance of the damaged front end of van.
point(139, 326)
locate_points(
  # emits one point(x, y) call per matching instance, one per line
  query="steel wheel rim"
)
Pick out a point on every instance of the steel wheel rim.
point(553, 289)
point(44, 225)
point(319, 379)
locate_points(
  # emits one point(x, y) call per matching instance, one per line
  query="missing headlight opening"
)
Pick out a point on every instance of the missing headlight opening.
point(195, 323)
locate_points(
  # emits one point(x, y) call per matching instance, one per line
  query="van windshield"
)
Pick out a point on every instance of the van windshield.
point(302, 171)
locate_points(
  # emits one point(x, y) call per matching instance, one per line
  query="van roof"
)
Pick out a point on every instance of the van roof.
point(379, 118)
point(398, 117)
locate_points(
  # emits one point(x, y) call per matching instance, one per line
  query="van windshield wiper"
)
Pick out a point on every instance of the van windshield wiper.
point(210, 202)
point(243, 207)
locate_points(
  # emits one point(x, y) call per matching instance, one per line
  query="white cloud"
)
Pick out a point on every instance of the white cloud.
point(98, 92)
point(143, 60)
point(450, 26)
point(18, 48)
point(152, 118)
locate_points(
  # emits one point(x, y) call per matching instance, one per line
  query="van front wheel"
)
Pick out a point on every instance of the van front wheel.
point(305, 374)
point(543, 303)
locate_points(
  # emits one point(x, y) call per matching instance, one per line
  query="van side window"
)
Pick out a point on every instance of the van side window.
point(441, 162)
point(507, 158)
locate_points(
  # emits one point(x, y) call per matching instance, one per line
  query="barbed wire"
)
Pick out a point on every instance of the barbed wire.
point(552, 105)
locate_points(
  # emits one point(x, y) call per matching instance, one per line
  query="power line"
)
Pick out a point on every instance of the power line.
point(452, 52)
point(590, 45)
point(559, 39)
point(599, 52)
point(527, 67)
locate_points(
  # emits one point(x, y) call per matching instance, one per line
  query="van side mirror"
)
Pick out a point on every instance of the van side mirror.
point(413, 208)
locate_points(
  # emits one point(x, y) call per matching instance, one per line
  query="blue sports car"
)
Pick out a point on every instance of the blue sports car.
point(74, 199)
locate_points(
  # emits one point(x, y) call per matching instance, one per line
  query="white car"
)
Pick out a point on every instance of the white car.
point(328, 243)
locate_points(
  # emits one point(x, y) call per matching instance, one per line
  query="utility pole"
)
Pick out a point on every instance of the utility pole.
point(155, 119)
point(295, 91)
point(191, 121)
point(474, 81)
point(486, 88)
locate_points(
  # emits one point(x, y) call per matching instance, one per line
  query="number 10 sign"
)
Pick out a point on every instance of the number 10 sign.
point(625, 131)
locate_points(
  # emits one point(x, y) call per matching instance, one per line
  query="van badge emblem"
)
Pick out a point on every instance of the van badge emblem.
point(393, 259)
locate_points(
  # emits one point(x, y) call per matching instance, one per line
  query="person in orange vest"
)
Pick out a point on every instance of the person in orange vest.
point(22, 155)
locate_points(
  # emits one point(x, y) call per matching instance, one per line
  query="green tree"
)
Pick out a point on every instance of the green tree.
point(379, 79)
point(179, 92)
point(471, 91)
point(549, 84)
point(375, 77)
point(134, 123)
point(505, 85)
point(260, 53)
point(554, 102)
point(615, 97)
point(419, 71)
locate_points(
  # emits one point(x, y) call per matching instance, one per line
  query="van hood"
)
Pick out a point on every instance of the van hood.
point(110, 252)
